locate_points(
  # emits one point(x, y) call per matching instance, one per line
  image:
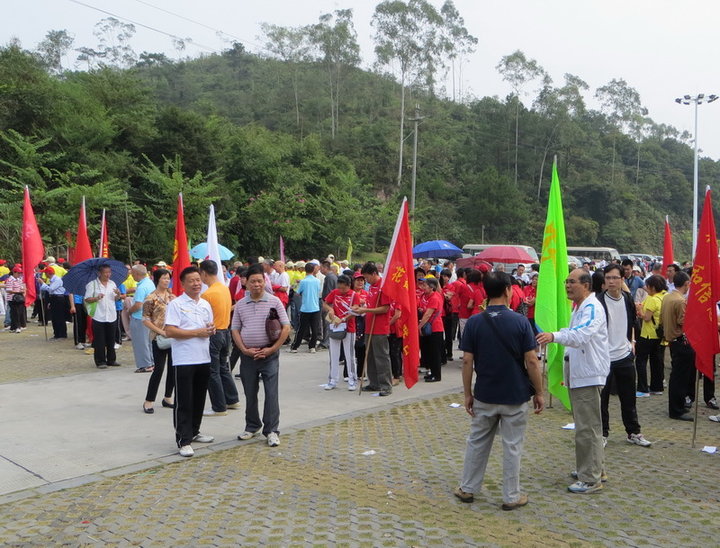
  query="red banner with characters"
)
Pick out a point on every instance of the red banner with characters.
point(701, 327)
point(399, 285)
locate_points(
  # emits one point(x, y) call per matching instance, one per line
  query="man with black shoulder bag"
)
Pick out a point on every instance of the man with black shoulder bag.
point(499, 347)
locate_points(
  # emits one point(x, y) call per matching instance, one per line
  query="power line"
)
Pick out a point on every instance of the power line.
point(217, 31)
point(173, 36)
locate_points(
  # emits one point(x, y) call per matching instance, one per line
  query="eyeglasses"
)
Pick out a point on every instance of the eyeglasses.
point(613, 277)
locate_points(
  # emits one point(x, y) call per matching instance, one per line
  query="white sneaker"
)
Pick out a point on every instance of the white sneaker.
point(352, 387)
point(202, 438)
point(117, 346)
point(293, 351)
point(714, 418)
point(313, 351)
point(329, 386)
point(186, 451)
point(80, 346)
point(604, 441)
point(247, 435)
point(273, 440)
point(638, 439)
point(212, 413)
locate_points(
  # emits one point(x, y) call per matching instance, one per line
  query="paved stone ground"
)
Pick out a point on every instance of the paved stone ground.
point(318, 489)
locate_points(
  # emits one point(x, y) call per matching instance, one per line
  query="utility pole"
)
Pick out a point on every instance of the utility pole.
point(127, 227)
point(415, 120)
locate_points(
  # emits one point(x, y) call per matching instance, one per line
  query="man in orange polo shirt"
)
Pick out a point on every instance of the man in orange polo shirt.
point(221, 386)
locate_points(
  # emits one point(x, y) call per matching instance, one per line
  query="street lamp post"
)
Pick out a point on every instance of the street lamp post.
point(697, 100)
point(415, 120)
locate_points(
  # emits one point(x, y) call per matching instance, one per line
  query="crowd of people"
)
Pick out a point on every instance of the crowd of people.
point(622, 321)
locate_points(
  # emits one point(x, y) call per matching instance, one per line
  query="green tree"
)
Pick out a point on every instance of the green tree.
point(52, 49)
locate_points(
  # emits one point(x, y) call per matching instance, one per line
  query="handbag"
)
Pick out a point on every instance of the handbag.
point(426, 330)
point(18, 298)
point(510, 350)
point(91, 308)
point(163, 343)
point(273, 327)
point(338, 332)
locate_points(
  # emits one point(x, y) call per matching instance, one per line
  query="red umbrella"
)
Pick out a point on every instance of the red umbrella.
point(505, 254)
point(474, 262)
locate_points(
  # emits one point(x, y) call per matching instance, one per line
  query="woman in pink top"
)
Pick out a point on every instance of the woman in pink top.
point(431, 345)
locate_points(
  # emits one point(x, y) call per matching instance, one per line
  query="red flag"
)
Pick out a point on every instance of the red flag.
point(181, 255)
point(701, 326)
point(32, 249)
point(668, 258)
point(103, 248)
point(82, 250)
point(399, 285)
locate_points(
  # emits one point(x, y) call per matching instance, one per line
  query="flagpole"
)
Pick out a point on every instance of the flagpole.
point(543, 352)
point(697, 394)
point(43, 315)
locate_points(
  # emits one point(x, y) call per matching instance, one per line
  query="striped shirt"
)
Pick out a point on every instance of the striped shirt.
point(249, 319)
point(13, 285)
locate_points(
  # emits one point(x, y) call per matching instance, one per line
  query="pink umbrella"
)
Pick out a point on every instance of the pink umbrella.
point(505, 254)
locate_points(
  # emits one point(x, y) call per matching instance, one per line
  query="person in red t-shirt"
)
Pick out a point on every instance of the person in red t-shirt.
point(377, 327)
point(530, 292)
point(395, 341)
point(359, 289)
point(431, 345)
point(465, 295)
point(450, 318)
point(477, 303)
point(338, 305)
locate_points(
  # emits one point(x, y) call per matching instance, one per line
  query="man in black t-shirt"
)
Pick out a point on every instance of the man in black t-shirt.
point(500, 348)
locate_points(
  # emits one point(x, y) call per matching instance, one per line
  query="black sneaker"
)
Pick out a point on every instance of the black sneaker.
point(369, 388)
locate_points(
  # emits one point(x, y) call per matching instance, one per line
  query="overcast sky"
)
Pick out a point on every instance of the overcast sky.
point(663, 49)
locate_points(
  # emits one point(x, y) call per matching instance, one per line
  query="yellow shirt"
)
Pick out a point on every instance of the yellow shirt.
point(218, 295)
point(130, 282)
point(4, 270)
point(652, 303)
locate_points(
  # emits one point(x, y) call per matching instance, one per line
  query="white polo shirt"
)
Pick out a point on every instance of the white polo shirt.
point(186, 313)
point(105, 310)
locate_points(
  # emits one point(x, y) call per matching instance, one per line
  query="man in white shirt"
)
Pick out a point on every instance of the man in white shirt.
point(189, 322)
point(620, 311)
point(104, 293)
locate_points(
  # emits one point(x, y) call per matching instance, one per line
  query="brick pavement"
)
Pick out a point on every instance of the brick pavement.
point(318, 489)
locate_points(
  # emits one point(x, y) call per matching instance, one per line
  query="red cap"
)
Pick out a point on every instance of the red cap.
point(3, 261)
point(358, 275)
point(50, 271)
point(17, 268)
point(61, 260)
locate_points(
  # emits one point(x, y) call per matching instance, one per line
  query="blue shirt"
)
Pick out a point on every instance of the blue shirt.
point(123, 292)
point(143, 289)
point(309, 287)
point(501, 378)
point(634, 283)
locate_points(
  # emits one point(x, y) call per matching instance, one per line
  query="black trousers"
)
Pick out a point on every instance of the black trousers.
point(79, 324)
point(308, 321)
point(160, 356)
point(450, 323)
point(58, 312)
point(621, 380)
point(708, 387)
point(431, 348)
point(17, 315)
point(191, 382)
point(104, 342)
point(396, 361)
point(682, 372)
point(649, 349)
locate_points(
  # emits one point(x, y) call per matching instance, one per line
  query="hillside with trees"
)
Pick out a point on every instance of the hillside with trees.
point(303, 143)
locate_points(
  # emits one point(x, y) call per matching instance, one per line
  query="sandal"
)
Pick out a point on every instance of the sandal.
point(145, 369)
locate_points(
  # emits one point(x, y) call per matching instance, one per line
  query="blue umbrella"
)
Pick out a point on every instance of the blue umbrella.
point(83, 273)
point(200, 251)
point(438, 249)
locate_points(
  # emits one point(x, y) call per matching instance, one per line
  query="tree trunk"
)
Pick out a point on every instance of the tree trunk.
point(517, 133)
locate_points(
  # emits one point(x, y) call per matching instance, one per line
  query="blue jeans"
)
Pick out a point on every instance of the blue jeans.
point(250, 372)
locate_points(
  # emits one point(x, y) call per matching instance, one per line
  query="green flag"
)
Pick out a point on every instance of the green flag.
point(348, 258)
point(552, 307)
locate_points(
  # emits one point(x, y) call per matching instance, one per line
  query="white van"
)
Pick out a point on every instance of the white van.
point(595, 253)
